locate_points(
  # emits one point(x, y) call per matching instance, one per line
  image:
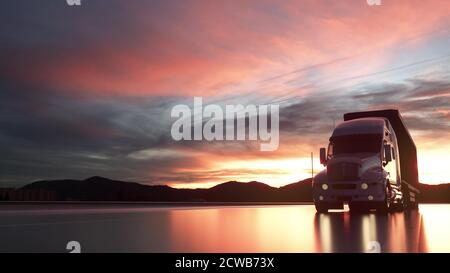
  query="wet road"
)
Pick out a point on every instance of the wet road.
point(262, 228)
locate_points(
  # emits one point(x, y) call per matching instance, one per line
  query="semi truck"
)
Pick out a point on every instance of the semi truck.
point(371, 164)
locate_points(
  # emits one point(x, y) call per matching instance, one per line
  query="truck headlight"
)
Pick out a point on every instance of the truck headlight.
point(364, 186)
point(324, 187)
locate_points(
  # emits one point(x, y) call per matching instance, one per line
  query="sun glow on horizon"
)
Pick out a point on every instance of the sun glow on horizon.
point(273, 172)
point(433, 167)
point(284, 171)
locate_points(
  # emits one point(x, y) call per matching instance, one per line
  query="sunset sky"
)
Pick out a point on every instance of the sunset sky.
point(88, 90)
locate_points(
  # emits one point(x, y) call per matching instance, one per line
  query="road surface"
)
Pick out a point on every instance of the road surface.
point(260, 228)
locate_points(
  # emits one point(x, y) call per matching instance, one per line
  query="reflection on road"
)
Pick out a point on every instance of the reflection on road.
point(300, 229)
point(274, 228)
point(347, 232)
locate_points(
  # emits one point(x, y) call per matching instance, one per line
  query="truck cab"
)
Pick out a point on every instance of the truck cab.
point(362, 168)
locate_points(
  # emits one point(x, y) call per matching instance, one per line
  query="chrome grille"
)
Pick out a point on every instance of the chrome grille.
point(343, 171)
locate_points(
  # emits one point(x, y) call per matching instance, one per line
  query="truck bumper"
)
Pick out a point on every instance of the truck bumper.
point(339, 193)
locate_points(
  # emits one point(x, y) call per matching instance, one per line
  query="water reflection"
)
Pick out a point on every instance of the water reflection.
point(241, 229)
point(300, 229)
point(348, 232)
point(295, 228)
point(436, 226)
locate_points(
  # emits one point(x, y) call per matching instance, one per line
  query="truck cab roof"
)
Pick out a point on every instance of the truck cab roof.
point(373, 125)
point(407, 148)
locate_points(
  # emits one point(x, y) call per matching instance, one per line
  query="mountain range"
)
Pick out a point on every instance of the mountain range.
point(103, 189)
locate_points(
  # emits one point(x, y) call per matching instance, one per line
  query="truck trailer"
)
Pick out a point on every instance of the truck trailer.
point(371, 164)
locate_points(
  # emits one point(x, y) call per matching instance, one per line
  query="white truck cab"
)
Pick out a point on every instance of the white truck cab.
point(362, 168)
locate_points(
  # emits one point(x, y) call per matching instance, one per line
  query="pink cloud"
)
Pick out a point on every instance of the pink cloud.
point(210, 48)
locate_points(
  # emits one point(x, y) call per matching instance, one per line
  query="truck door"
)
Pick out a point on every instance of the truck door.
point(390, 166)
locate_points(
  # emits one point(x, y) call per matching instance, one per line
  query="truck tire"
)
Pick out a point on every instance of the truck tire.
point(384, 206)
point(358, 208)
point(412, 206)
point(396, 207)
point(321, 208)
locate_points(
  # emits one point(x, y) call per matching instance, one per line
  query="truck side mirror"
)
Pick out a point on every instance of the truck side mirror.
point(387, 153)
point(323, 156)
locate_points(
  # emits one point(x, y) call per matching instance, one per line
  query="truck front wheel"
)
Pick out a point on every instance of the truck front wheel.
point(358, 207)
point(391, 205)
point(321, 208)
point(383, 207)
point(396, 207)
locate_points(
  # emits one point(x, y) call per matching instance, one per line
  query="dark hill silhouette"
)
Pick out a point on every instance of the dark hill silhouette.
point(241, 192)
point(98, 188)
point(103, 189)
point(299, 191)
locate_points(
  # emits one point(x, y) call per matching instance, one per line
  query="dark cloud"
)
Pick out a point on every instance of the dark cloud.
point(58, 136)
point(46, 135)
point(419, 101)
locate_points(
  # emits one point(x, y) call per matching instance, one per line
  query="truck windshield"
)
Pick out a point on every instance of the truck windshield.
point(350, 144)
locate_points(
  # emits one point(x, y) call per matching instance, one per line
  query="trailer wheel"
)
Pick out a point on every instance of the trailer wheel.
point(413, 205)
